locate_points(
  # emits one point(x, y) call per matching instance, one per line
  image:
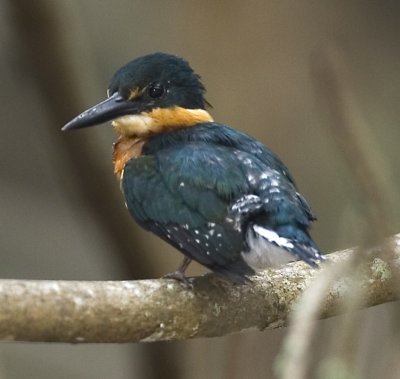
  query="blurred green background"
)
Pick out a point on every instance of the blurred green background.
point(62, 214)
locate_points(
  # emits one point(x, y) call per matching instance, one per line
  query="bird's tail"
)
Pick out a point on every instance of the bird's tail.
point(294, 240)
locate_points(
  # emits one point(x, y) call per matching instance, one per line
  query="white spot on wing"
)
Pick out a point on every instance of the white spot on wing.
point(274, 183)
point(273, 237)
point(251, 179)
point(264, 175)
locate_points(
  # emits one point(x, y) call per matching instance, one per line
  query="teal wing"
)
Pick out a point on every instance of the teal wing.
point(183, 194)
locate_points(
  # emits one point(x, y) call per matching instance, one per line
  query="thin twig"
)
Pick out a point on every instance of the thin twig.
point(294, 359)
point(371, 176)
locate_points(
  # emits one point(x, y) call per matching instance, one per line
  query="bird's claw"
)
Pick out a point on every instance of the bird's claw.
point(180, 277)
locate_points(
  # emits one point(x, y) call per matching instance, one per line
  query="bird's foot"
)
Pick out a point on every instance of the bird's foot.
point(179, 274)
point(180, 277)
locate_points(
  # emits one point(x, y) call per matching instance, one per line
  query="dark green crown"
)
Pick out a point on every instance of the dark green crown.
point(167, 81)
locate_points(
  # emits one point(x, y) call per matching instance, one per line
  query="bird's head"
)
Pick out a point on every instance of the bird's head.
point(151, 94)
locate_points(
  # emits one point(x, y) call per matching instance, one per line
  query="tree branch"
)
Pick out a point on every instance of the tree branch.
point(161, 309)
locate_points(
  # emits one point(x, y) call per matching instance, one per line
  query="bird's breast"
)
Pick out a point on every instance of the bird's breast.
point(124, 150)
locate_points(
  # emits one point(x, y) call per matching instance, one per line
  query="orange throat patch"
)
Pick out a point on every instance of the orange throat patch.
point(134, 130)
point(159, 120)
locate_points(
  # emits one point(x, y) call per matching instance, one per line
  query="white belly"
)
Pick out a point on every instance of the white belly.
point(265, 254)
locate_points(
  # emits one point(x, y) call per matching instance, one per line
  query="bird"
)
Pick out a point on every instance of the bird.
point(216, 194)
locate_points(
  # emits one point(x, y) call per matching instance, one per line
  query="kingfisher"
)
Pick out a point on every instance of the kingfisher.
point(217, 195)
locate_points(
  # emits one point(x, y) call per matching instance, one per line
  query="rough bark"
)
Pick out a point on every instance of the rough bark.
point(161, 309)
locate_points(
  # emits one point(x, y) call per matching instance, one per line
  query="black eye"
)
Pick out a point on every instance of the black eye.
point(156, 90)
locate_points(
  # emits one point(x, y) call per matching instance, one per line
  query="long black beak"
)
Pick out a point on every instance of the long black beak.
point(109, 109)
